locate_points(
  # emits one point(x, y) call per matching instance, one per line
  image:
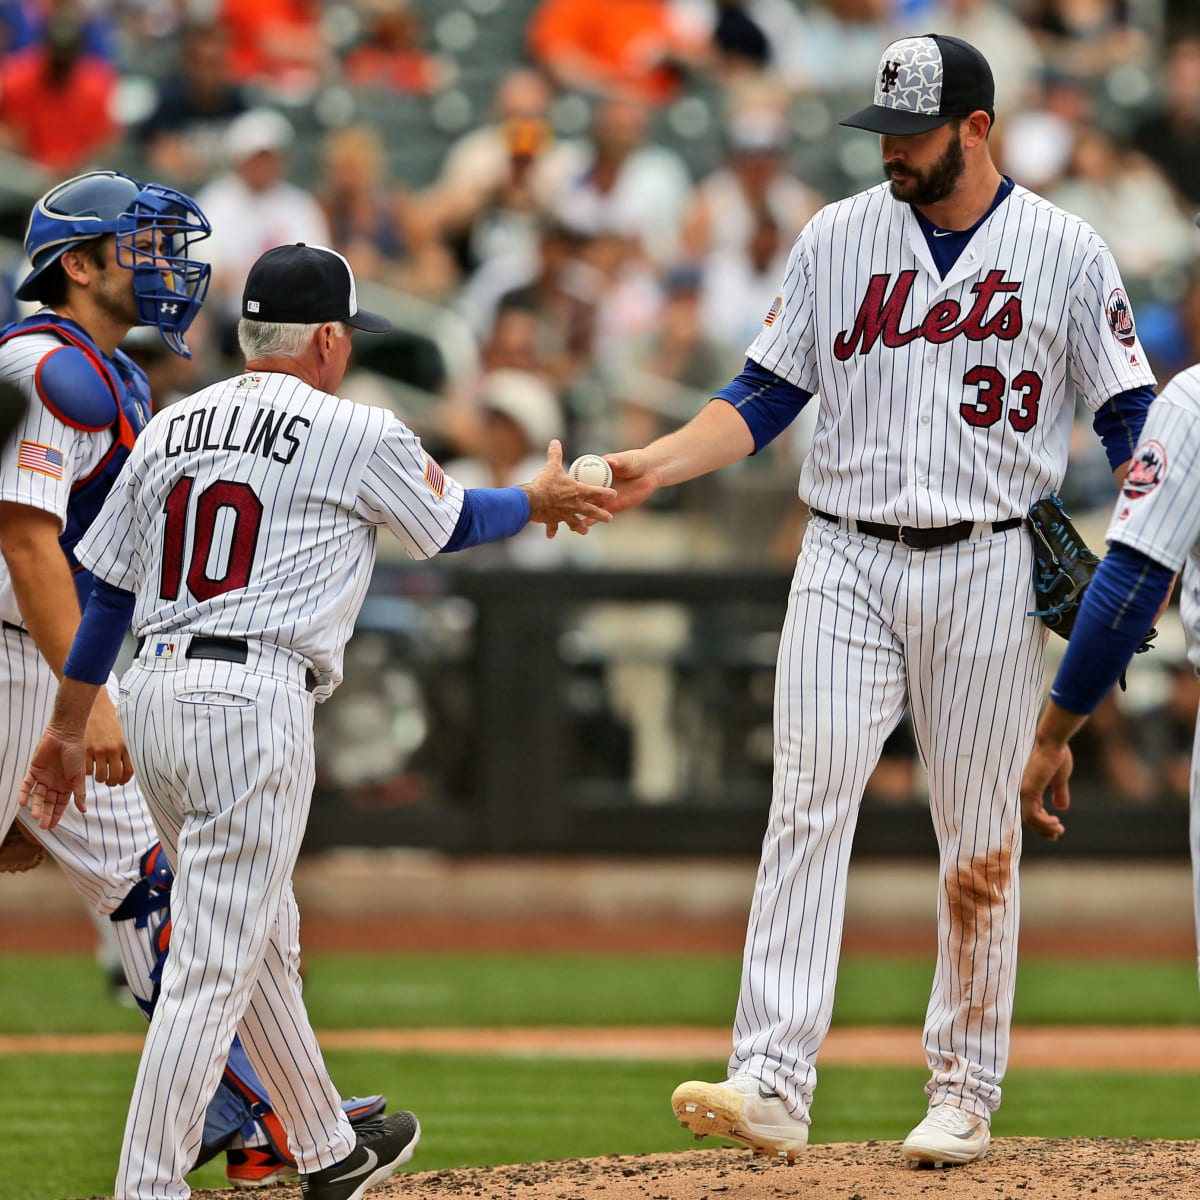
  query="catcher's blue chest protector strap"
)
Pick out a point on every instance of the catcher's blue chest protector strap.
point(87, 389)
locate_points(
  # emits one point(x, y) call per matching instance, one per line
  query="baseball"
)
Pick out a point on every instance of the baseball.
point(592, 469)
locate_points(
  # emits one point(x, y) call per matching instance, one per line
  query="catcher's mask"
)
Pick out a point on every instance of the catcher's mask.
point(168, 286)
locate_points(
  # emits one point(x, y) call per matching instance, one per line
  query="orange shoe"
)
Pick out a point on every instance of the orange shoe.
point(257, 1167)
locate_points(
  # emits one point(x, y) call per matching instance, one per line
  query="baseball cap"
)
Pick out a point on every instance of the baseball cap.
point(306, 285)
point(923, 82)
point(255, 131)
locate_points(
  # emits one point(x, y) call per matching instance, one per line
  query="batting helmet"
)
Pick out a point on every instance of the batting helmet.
point(169, 287)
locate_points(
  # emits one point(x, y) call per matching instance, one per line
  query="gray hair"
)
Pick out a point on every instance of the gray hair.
point(275, 339)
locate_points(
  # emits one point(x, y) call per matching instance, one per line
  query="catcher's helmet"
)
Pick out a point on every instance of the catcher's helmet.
point(169, 287)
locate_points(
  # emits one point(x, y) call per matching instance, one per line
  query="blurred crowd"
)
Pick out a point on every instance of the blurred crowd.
point(577, 211)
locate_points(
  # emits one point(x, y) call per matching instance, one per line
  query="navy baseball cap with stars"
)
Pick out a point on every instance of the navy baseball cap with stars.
point(924, 82)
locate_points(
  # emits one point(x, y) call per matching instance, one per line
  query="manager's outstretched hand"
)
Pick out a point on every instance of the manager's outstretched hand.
point(55, 778)
point(554, 497)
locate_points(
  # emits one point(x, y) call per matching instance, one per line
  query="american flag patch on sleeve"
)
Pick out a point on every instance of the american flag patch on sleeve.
point(773, 311)
point(47, 460)
point(435, 477)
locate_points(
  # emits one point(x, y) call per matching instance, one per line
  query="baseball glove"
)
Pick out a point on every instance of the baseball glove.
point(19, 852)
point(1063, 566)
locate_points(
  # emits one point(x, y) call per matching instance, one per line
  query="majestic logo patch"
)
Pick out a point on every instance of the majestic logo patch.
point(1120, 317)
point(773, 311)
point(1146, 471)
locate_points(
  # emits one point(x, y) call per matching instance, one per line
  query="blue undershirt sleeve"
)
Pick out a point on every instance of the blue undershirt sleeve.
point(488, 514)
point(1117, 610)
point(767, 402)
point(1118, 423)
point(98, 639)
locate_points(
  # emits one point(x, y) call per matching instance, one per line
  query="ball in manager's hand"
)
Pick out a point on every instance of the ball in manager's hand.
point(591, 469)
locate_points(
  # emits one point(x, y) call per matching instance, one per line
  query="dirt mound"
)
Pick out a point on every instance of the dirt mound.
point(1045, 1168)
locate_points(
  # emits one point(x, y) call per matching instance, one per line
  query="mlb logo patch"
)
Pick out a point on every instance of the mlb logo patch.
point(45, 460)
point(164, 650)
point(773, 311)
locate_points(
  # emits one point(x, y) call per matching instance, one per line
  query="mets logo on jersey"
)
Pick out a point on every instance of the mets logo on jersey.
point(1146, 471)
point(773, 311)
point(1120, 317)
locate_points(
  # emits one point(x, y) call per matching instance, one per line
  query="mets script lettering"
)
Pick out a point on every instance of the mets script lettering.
point(879, 316)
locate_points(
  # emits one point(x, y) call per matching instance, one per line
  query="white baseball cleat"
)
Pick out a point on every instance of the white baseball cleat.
point(949, 1136)
point(744, 1111)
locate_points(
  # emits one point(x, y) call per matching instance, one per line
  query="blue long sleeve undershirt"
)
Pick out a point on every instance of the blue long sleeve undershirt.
point(488, 514)
point(1118, 423)
point(767, 403)
point(1117, 611)
point(106, 620)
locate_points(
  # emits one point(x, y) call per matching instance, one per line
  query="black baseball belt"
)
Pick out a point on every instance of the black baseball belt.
point(916, 539)
point(234, 650)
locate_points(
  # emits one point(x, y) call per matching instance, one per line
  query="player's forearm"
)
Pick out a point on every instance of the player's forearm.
point(72, 707)
point(45, 591)
point(1057, 726)
point(715, 437)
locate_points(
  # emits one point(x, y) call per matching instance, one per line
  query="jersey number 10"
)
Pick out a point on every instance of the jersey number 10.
point(247, 517)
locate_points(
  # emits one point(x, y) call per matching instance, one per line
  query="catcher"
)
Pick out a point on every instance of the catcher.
point(107, 253)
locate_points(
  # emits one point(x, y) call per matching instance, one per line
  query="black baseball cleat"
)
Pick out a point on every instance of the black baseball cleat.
point(380, 1147)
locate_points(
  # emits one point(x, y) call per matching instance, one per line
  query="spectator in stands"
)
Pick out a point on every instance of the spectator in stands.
point(1088, 38)
point(740, 46)
point(641, 47)
point(1170, 134)
point(1128, 202)
point(557, 287)
point(666, 375)
point(744, 217)
point(485, 202)
point(520, 415)
point(834, 44)
point(620, 182)
point(1167, 731)
point(1012, 50)
point(253, 207)
point(1035, 144)
point(390, 54)
point(182, 138)
point(383, 233)
point(23, 25)
point(56, 99)
point(278, 45)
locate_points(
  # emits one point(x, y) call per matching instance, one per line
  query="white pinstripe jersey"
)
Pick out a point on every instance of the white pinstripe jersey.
point(944, 400)
point(250, 510)
point(1158, 510)
point(36, 485)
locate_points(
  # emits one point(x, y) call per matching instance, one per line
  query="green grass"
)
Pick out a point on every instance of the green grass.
point(358, 991)
point(477, 1111)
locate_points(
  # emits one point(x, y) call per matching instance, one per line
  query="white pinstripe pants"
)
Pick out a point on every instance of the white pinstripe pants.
point(870, 626)
point(225, 758)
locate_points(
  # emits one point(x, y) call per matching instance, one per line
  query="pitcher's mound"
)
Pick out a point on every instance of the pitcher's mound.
point(1015, 1169)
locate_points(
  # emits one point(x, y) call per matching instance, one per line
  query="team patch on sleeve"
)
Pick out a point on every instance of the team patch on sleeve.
point(435, 477)
point(1119, 314)
point(46, 460)
point(1147, 470)
point(773, 311)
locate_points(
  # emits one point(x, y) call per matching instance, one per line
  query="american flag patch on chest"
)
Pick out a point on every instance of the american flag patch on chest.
point(435, 477)
point(46, 460)
point(773, 311)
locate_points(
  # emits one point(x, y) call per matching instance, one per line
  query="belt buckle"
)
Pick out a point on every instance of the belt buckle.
point(900, 538)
